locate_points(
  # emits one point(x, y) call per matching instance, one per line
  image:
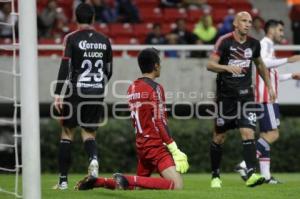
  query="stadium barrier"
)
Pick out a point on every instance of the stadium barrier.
point(116, 146)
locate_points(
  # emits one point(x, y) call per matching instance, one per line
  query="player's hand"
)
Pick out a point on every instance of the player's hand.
point(58, 103)
point(294, 58)
point(272, 95)
point(296, 76)
point(180, 159)
point(234, 69)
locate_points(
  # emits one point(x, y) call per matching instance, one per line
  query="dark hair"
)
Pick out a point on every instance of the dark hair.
point(271, 24)
point(147, 59)
point(85, 13)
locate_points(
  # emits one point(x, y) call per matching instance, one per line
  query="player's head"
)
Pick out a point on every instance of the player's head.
point(149, 61)
point(85, 14)
point(274, 30)
point(242, 22)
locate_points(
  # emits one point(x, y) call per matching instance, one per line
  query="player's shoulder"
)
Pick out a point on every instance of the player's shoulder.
point(226, 37)
point(252, 40)
point(101, 35)
point(147, 84)
point(69, 36)
point(224, 40)
point(87, 33)
point(266, 41)
point(142, 85)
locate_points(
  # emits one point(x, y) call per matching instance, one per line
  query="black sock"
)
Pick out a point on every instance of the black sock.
point(215, 158)
point(90, 146)
point(249, 153)
point(64, 159)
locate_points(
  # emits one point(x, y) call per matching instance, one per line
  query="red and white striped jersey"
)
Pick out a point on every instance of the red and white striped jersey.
point(267, 54)
point(261, 91)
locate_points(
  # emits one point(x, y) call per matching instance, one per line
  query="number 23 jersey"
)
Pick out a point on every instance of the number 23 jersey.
point(90, 60)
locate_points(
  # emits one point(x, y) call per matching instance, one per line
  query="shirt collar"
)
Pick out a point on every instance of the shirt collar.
point(269, 40)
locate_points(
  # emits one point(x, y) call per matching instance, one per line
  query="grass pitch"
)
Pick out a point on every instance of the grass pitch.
point(196, 187)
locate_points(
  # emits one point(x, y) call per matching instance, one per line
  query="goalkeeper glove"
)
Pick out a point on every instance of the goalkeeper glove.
point(179, 157)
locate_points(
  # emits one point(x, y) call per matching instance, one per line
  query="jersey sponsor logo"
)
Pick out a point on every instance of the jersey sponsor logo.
point(140, 95)
point(232, 48)
point(244, 91)
point(248, 53)
point(84, 45)
point(88, 85)
point(134, 96)
point(239, 63)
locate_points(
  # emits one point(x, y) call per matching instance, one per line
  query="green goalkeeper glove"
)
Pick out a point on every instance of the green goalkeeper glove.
point(179, 157)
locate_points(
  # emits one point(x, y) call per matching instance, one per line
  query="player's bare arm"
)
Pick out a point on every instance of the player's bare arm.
point(58, 102)
point(62, 76)
point(214, 66)
point(294, 58)
point(262, 70)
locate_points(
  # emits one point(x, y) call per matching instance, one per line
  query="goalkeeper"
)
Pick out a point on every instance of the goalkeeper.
point(156, 150)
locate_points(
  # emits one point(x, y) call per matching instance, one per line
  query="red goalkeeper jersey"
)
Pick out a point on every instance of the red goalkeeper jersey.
point(148, 112)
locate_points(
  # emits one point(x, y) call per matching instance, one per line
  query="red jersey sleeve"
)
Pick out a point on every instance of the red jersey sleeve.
point(219, 46)
point(160, 116)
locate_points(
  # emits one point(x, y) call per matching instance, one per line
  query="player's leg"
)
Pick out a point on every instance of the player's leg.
point(268, 124)
point(68, 122)
point(249, 149)
point(167, 169)
point(141, 180)
point(91, 111)
point(90, 146)
point(128, 182)
point(90, 182)
point(216, 152)
point(226, 120)
point(165, 165)
point(171, 174)
point(247, 126)
point(64, 157)
point(269, 134)
point(249, 155)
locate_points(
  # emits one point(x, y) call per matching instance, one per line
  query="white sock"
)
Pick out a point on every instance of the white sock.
point(264, 164)
point(243, 164)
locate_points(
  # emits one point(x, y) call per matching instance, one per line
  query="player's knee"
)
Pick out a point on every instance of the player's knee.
point(247, 134)
point(178, 184)
point(270, 136)
point(86, 134)
point(67, 134)
point(275, 136)
point(177, 181)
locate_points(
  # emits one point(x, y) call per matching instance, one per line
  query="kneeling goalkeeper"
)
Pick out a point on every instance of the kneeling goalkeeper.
point(156, 150)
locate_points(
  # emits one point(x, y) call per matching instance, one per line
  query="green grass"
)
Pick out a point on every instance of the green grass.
point(196, 186)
